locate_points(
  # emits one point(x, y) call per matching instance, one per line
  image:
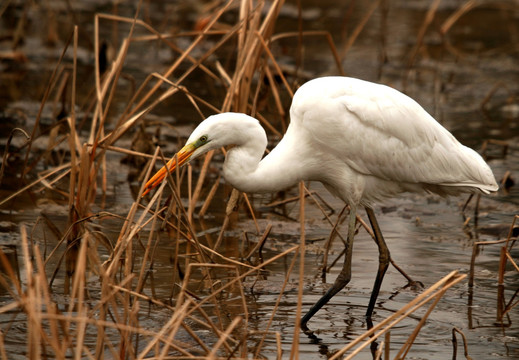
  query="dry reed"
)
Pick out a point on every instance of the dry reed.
point(109, 308)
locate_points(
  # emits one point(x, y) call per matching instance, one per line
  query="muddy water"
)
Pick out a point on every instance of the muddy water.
point(425, 234)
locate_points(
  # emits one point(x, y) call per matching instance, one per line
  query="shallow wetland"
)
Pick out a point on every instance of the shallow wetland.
point(91, 270)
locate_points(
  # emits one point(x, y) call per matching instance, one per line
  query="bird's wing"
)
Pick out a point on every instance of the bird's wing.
point(381, 132)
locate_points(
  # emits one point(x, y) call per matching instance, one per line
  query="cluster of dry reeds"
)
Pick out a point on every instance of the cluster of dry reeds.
point(100, 317)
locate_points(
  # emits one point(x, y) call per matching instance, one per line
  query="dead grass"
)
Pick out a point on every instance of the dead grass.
point(105, 296)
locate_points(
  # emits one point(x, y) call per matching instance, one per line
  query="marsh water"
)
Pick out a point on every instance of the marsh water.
point(470, 86)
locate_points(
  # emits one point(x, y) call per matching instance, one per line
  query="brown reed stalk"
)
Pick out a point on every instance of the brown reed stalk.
point(294, 351)
point(333, 233)
point(429, 17)
point(232, 282)
point(35, 182)
point(278, 301)
point(387, 341)
point(455, 16)
point(404, 350)
point(209, 197)
point(455, 344)
point(78, 296)
point(29, 301)
point(358, 29)
point(122, 279)
point(506, 257)
point(260, 243)
point(184, 55)
point(206, 249)
point(46, 95)
point(464, 9)
point(433, 291)
point(224, 336)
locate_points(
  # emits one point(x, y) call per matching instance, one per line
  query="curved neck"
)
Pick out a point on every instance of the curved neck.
point(247, 172)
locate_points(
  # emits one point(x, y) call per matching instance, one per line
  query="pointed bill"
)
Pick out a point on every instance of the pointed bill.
point(182, 156)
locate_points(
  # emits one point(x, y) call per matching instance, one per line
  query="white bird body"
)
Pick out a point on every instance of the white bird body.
point(365, 142)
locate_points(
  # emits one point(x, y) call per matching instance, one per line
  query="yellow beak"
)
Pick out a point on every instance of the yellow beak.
point(182, 156)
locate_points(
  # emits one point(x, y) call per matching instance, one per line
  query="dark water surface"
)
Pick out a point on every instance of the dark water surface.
point(426, 235)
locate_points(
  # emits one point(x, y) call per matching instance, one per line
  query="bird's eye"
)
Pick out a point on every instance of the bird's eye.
point(203, 138)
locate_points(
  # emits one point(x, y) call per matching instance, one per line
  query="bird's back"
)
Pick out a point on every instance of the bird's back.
point(380, 133)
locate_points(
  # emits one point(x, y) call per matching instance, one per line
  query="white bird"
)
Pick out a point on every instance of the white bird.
point(364, 141)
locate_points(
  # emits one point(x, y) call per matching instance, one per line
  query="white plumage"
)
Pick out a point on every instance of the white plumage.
point(363, 141)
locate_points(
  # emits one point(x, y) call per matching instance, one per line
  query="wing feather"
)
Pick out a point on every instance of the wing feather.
point(378, 131)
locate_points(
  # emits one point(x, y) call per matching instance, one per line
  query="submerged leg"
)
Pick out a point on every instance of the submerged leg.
point(383, 262)
point(344, 276)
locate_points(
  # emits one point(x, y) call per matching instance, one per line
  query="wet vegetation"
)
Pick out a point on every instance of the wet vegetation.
point(95, 96)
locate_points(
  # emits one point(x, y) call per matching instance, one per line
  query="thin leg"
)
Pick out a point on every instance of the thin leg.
point(383, 262)
point(344, 276)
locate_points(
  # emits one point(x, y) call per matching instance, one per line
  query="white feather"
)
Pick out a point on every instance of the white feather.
point(364, 141)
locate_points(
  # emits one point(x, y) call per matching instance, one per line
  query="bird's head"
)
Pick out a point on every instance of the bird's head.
point(212, 133)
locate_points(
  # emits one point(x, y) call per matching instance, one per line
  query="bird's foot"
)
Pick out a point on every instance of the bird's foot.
point(311, 334)
point(308, 332)
point(305, 329)
point(414, 285)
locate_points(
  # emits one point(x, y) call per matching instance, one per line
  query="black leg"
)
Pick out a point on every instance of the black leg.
point(383, 262)
point(344, 276)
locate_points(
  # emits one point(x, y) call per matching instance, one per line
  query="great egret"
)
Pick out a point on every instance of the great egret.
point(365, 142)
